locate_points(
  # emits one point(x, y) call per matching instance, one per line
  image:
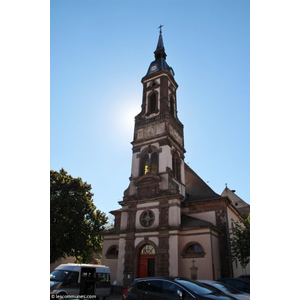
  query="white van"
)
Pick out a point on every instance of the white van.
point(80, 279)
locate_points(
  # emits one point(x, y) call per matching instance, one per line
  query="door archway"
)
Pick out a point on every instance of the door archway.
point(146, 266)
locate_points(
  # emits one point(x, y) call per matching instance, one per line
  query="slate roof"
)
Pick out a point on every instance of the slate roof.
point(160, 55)
point(160, 49)
point(187, 222)
point(242, 206)
point(244, 210)
point(196, 188)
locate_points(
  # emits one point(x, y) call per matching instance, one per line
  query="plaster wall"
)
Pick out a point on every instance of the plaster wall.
point(216, 255)
point(112, 263)
point(204, 264)
point(135, 165)
point(132, 188)
point(174, 255)
point(164, 184)
point(121, 260)
point(124, 216)
point(174, 214)
point(148, 205)
point(165, 159)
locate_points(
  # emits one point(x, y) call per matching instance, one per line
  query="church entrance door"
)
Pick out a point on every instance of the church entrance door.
point(147, 262)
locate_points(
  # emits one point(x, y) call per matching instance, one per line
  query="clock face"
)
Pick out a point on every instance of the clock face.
point(153, 68)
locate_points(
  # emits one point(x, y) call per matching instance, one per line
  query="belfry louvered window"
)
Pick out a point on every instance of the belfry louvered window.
point(176, 165)
point(149, 163)
point(152, 103)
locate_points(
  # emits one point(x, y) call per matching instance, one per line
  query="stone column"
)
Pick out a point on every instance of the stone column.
point(128, 260)
point(163, 254)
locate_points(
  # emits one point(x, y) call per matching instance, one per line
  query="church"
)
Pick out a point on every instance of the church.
point(171, 223)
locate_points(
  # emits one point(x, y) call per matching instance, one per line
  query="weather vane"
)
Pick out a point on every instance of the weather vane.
point(160, 28)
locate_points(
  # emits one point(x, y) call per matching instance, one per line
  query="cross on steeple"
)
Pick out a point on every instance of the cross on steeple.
point(160, 28)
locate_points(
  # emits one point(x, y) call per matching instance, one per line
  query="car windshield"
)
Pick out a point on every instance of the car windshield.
point(197, 287)
point(58, 275)
point(225, 288)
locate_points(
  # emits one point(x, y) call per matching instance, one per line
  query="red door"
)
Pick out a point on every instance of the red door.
point(146, 266)
point(143, 267)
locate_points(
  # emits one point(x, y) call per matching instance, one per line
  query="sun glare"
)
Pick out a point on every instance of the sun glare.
point(126, 113)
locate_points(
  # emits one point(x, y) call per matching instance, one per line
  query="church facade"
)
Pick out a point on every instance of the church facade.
point(171, 223)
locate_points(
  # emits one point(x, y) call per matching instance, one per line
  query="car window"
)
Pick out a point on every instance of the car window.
point(72, 279)
point(197, 287)
point(170, 287)
point(225, 288)
point(59, 275)
point(150, 286)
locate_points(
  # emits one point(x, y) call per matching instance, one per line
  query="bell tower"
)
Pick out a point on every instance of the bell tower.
point(158, 146)
point(151, 205)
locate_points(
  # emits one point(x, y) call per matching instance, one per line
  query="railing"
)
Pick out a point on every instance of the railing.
point(160, 117)
point(149, 121)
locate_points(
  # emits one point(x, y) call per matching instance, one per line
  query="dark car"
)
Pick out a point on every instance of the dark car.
point(238, 284)
point(245, 278)
point(171, 288)
point(227, 289)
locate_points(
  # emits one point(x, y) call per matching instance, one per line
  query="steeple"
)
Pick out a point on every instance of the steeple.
point(159, 64)
point(160, 49)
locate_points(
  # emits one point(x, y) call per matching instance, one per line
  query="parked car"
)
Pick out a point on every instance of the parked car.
point(238, 284)
point(171, 288)
point(245, 278)
point(226, 289)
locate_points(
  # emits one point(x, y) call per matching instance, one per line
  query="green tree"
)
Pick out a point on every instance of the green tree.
point(240, 241)
point(75, 223)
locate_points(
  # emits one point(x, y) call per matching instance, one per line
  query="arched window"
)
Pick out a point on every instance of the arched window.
point(112, 252)
point(152, 103)
point(149, 163)
point(147, 249)
point(144, 164)
point(193, 249)
point(176, 166)
point(154, 163)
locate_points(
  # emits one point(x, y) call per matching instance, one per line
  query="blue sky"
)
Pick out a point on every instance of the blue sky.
point(100, 50)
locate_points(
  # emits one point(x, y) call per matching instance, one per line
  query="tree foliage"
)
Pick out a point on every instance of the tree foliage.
point(75, 222)
point(240, 241)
